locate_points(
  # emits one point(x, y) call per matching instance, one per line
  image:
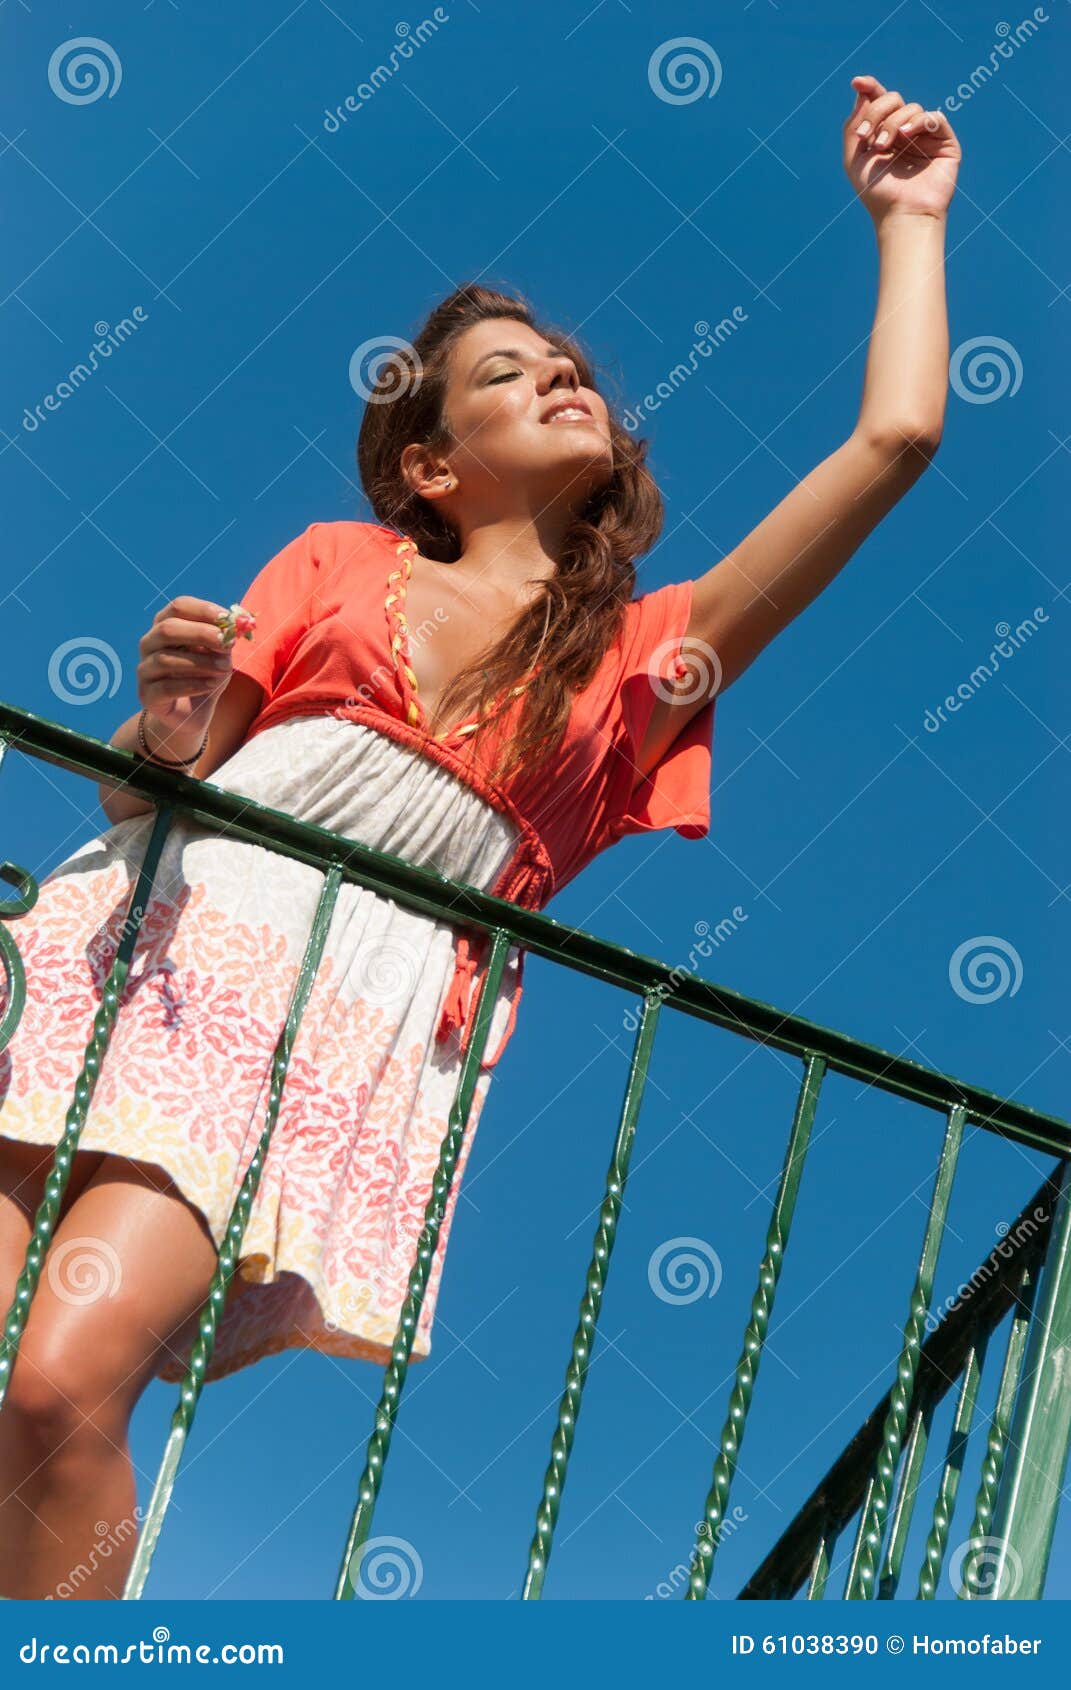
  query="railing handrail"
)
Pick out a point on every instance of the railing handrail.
point(839, 1493)
point(572, 947)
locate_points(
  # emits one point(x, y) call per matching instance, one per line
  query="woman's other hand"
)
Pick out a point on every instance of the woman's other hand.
point(900, 159)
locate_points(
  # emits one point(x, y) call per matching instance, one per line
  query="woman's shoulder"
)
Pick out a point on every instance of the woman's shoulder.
point(338, 538)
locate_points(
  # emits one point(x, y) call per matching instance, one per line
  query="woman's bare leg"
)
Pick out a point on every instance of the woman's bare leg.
point(126, 1273)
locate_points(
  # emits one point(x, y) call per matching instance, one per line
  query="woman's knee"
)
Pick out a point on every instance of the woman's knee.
point(68, 1390)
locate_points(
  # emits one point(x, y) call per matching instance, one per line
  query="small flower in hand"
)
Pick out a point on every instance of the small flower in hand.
point(236, 621)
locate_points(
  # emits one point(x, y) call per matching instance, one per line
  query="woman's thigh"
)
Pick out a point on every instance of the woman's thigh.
point(24, 1168)
point(126, 1273)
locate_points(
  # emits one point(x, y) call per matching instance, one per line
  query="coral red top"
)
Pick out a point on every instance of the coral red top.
point(331, 638)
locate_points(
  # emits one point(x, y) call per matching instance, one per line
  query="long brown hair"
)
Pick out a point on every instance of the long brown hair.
point(572, 622)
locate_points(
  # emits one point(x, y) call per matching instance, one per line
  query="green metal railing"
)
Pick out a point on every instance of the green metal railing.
point(878, 1476)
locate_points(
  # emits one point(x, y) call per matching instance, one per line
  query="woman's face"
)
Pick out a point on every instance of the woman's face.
point(523, 422)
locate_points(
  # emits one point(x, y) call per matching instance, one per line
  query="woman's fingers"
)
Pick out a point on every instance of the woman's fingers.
point(866, 88)
point(184, 632)
point(894, 129)
point(936, 125)
point(875, 113)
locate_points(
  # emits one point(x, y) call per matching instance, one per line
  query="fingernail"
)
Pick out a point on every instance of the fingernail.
point(883, 137)
point(863, 129)
point(906, 128)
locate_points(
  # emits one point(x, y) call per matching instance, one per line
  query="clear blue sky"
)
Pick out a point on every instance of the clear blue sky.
point(525, 145)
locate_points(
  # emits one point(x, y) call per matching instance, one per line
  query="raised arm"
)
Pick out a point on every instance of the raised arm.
point(902, 162)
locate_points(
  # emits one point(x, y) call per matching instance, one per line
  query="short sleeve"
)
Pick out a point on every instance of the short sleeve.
point(282, 598)
point(675, 793)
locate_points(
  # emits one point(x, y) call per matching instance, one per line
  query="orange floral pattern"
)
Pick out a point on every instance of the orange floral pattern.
point(334, 1225)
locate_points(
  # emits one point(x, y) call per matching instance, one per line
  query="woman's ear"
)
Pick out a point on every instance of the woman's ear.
point(426, 473)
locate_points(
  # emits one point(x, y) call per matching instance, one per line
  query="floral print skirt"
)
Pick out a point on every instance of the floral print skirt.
point(184, 1085)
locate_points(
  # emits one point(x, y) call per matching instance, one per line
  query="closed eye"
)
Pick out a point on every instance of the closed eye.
point(507, 375)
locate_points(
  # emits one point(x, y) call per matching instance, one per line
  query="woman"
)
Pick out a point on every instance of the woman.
point(546, 714)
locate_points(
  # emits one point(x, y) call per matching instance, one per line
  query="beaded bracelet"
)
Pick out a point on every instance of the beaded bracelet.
point(147, 754)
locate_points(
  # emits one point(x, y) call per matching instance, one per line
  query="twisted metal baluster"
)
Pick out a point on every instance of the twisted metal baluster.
point(872, 1520)
point(825, 1544)
point(591, 1303)
point(944, 1506)
point(14, 972)
point(227, 1261)
point(755, 1334)
point(906, 1497)
point(398, 1367)
point(10, 908)
point(999, 1425)
point(45, 1219)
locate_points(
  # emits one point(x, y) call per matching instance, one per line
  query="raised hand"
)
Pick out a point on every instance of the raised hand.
point(899, 158)
point(186, 663)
